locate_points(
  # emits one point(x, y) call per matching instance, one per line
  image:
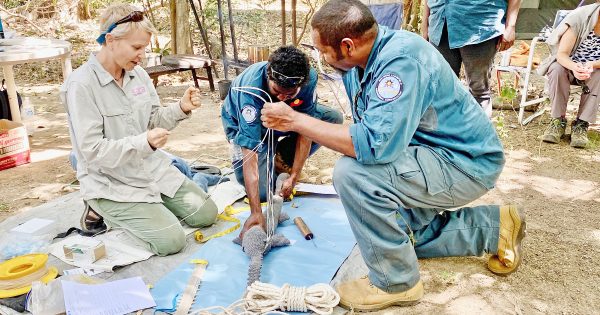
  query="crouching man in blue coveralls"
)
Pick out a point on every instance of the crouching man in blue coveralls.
point(420, 145)
point(287, 77)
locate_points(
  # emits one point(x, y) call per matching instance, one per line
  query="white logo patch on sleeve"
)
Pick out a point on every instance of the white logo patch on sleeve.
point(249, 113)
point(389, 87)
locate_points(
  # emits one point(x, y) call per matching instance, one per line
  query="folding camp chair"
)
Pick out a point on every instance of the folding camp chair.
point(521, 72)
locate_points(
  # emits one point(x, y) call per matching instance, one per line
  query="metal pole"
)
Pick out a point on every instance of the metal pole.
point(283, 35)
point(201, 28)
point(233, 41)
point(223, 52)
point(294, 31)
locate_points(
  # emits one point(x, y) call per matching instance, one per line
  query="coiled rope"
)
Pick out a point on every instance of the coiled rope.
point(264, 298)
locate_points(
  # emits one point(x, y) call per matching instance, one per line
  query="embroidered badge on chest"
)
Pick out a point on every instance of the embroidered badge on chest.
point(138, 90)
point(389, 87)
point(249, 113)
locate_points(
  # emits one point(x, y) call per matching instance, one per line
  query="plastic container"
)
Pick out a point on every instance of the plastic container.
point(28, 115)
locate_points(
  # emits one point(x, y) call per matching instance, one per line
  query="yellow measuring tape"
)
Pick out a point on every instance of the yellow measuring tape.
point(227, 215)
point(17, 274)
point(200, 237)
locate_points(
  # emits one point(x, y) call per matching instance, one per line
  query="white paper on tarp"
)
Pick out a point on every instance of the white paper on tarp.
point(118, 252)
point(35, 226)
point(226, 193)
point(82, 271)
point(316, 189)
point(111, 298)
point(123, 249)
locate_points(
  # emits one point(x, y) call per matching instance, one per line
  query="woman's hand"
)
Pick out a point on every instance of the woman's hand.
point(190, 100)
point(582, 72)
point(157, 137)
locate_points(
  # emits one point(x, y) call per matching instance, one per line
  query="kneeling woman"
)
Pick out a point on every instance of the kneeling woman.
point(116, 126)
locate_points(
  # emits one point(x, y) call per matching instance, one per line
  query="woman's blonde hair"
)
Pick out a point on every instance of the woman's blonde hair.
point(116, 12)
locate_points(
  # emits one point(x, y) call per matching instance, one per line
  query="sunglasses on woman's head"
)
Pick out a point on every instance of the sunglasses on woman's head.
point(279, 77)
point(135, 16)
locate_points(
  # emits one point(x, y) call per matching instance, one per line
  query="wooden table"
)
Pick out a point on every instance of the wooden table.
point(24, 50)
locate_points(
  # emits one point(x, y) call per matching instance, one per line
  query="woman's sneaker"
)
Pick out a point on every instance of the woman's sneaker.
point(579, 136)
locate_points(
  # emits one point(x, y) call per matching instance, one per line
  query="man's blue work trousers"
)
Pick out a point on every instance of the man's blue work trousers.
point(385, 202)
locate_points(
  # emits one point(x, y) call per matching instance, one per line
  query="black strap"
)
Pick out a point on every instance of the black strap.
point(79, 231)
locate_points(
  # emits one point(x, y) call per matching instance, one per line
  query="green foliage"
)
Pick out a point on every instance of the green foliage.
point(594, 143)
point(4, 207)
point(163, 51)
point(501, 127)
point(11, 4)
point(100, 4)
point(508, 94)
point(210, 20)
point(263, 4)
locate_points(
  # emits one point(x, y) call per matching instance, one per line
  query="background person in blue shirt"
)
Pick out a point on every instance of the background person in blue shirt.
point(288, 78)
point(420, 145)
point(469, 32)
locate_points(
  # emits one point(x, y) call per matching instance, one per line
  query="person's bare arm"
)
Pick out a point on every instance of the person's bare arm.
point(280, 116)
point(251, 183)
point(301, 154)
point(563, 55)
point(508, 37)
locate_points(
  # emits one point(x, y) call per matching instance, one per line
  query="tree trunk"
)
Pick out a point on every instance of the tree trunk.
point(83, 10)
point(406, 6)
point(180, 27)
point(411, 15)
point(415, 14)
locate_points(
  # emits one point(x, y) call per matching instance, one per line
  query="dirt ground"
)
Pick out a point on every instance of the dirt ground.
point(558, 185)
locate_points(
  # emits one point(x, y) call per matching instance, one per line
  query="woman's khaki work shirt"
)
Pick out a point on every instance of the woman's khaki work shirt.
point(108, 128)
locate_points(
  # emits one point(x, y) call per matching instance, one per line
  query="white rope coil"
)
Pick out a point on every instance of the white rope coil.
point(264, 297)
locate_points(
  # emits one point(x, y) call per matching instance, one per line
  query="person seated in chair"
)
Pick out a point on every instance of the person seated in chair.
point(575, 59)
point(287, 77)
point(116, 126)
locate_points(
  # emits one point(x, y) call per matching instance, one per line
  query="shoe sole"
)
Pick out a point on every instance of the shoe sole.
point(520, 235)
point(550, 140)
point(376, 307)
point(578, 145)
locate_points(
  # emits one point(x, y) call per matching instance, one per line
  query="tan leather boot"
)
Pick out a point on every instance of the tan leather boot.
point(512, 232)
point(361, 295)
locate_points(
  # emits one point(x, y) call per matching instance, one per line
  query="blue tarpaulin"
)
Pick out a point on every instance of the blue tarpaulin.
point(301, 264)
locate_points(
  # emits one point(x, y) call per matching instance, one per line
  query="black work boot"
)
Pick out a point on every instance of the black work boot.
point(91, 221)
